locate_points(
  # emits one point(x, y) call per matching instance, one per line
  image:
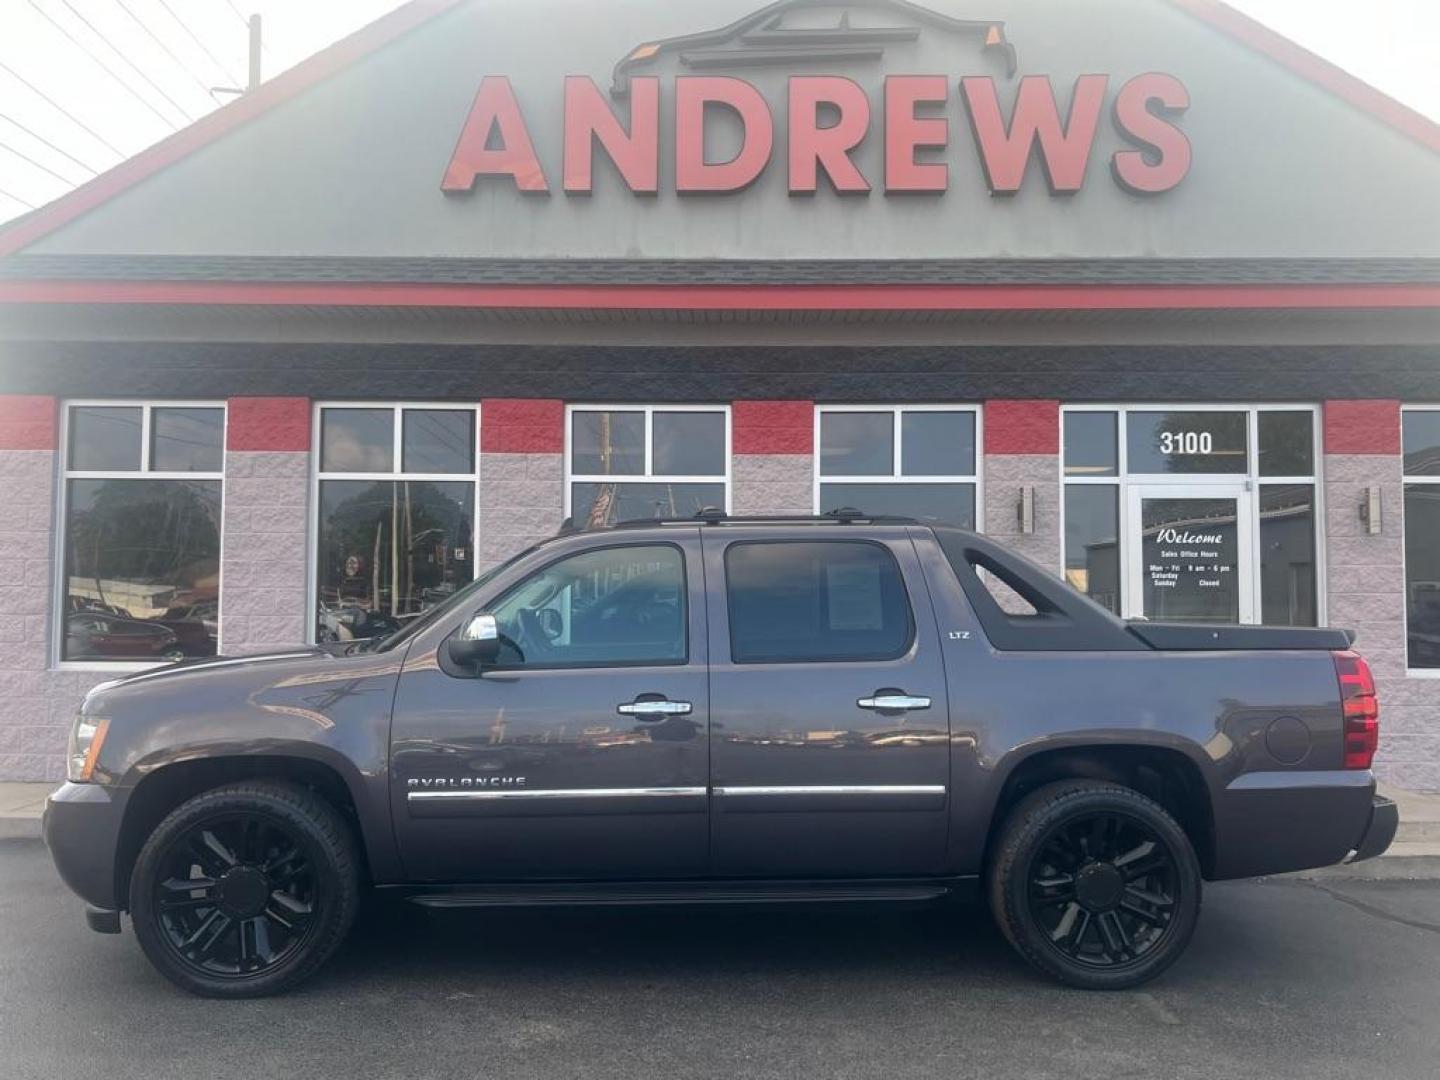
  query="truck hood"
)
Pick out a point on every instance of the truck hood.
point(191, 667)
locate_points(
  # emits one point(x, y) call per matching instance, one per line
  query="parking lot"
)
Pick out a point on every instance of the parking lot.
point(1284, 979)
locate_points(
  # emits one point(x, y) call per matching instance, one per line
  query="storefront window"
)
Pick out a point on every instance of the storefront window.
point(395, 515)
point(634, 462)
point(1092, 541)
point(1422, 538)
point(1180, 527)
point(912, 461)
point(142, 501)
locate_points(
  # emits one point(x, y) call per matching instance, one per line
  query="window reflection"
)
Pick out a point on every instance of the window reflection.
point(604, 443)
point(389, 550)
point(1422, 574)
point(142, 569)
point(948, 504)
point(595, 505)
point(1092, 542)
point(857, 444)
point(1287, 554)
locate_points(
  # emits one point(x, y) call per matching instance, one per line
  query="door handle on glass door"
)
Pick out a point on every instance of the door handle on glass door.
point(653, 709)
point(893, 702)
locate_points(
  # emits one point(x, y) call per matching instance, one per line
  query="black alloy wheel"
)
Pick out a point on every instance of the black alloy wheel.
point(1095, 884)
point(1102, 887)
point(245, 890)
point(237, 895)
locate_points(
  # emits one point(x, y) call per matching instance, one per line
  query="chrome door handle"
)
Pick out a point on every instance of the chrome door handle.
point(894, 702)
point(654, 710)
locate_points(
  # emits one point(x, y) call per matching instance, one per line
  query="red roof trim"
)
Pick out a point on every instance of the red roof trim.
point(213, 126)
point(1324, 74)
point(726, 297)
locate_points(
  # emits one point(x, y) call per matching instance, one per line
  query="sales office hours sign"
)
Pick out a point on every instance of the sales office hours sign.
point(829, 116)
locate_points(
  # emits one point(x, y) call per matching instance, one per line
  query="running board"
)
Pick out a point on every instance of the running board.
point(630, 893)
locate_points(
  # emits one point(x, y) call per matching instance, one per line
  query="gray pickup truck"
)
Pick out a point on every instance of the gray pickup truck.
point(724, 710)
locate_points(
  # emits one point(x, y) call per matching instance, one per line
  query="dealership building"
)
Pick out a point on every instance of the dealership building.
point(1139, 288)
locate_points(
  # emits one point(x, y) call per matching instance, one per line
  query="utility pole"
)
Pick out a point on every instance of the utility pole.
point(255, 44)
point(257, 40)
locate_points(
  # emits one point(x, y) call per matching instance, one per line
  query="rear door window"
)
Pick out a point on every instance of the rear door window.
point(821, 601)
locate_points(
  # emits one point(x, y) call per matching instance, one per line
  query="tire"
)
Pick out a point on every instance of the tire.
point(1094, 884)
point(245, 890)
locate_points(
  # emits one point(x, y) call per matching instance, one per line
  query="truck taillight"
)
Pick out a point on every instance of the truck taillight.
point(1361, 708)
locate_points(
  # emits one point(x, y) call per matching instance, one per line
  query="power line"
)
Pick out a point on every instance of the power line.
point(16, 198)
point(60, 108)
point(103, 66)
point(196, 38)
point(128, 62)
point(39, 165)
point(204, 87)
point(41, 139)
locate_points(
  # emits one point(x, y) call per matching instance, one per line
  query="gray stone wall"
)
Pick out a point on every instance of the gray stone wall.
point(772, 484)
point(1003, 477)
point(36, 702)
point(1365, 592)
point(522, 501)
point(263, 597)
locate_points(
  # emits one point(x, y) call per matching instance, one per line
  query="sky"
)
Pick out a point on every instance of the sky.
point(130, 72)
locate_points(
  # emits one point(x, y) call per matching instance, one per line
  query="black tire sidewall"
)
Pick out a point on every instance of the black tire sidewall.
point(326, 841)
point(1030, 822)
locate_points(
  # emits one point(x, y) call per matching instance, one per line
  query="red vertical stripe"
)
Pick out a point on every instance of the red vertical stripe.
point(1022, 427)
point(27, 422)
point(772, 427)
point(1362, 427)
point(268, 423)
point(522, 426)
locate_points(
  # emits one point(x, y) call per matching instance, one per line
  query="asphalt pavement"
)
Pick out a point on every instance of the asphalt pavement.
point(1284, 978)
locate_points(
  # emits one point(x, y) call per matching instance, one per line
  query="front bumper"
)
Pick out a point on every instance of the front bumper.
point(81, 827)
point(1384, 820)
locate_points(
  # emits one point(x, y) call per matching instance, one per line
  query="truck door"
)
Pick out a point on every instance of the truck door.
point(829, 741)
point(582, 754)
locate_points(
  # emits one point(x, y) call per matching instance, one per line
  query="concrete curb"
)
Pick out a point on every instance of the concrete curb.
point(19, 828)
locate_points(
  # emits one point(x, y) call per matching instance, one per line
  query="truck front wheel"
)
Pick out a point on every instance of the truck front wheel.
point(1094, 884)
point(245, 890)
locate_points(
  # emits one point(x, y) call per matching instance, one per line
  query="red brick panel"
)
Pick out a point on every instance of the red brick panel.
point(27, 422)
point(522, 426)
point(1362, 427)
point(772, 427)
point(1022, 427)
point(268, 423)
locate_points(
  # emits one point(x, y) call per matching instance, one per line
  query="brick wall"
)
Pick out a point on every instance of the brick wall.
point(772, 463)
point(1365, 582)
point(38, 703)
point(1022, 448)
point(522, 475)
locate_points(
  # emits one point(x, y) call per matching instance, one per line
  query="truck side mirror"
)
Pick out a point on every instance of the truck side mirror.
point(475, 644)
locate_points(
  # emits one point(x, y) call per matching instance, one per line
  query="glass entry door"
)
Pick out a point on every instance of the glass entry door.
point(1189, 555)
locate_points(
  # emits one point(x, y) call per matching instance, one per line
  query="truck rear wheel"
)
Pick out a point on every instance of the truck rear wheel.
point(1095, 884)
point(245, 890)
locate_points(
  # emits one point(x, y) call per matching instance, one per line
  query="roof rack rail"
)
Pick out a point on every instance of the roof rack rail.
point(845, 515)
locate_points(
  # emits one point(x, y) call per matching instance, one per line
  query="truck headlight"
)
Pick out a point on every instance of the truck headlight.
point(87, 735)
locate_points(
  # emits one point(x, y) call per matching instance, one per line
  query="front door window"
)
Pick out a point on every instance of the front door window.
point(1187, 565)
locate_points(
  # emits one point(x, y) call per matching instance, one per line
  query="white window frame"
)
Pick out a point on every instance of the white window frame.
point(648, 476)
point(1250, 480)
point(1405, 480)
point(59, 603)
point(398, 409)
point(897, 468)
